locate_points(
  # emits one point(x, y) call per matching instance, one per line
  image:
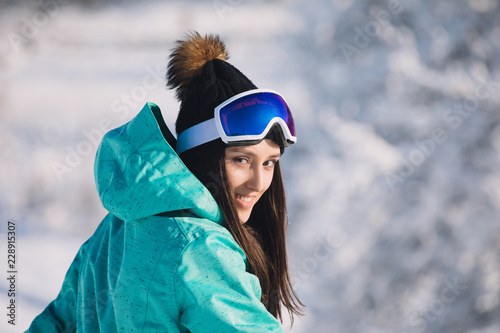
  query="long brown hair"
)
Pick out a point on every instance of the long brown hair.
point(262, 237)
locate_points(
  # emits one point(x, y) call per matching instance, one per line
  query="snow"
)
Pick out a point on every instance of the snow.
point(393, 185)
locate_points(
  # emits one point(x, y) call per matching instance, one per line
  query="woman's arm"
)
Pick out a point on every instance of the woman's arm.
point(214, 291)
point(60, 314)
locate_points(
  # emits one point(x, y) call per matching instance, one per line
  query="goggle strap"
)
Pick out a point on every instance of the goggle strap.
point(197, 135)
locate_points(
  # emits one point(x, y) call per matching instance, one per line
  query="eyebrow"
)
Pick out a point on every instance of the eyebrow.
point(243, 151)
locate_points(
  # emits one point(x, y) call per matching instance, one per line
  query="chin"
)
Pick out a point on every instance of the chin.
point(244, 217)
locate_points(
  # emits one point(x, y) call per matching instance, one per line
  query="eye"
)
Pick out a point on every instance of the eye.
point(270, 163)
point(241, 160)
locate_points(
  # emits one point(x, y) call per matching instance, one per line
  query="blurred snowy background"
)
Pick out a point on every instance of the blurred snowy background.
point(393, 187)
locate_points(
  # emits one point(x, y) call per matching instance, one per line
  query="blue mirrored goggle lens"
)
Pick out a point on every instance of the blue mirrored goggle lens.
point(251, 114)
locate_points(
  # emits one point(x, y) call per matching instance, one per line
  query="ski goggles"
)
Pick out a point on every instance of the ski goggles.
point(244, 119)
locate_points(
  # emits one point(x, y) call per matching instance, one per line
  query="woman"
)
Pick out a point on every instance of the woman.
point(195, 238)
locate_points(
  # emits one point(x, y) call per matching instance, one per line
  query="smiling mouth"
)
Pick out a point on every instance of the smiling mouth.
point(244, 198)
point(244, 201)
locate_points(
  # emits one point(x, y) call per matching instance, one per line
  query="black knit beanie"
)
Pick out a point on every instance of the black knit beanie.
point(202, 78)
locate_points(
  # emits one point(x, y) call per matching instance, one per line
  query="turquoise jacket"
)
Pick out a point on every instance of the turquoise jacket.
point(161, 260)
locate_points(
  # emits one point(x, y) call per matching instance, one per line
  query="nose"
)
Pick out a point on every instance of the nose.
point(255, 179)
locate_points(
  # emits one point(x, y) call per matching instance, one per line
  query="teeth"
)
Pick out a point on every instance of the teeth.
point(242, 198)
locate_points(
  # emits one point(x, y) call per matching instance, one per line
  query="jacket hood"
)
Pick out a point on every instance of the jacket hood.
point(139, 174)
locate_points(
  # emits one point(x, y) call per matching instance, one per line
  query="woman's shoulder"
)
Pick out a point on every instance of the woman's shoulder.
point(186, 235)
point(188, 227)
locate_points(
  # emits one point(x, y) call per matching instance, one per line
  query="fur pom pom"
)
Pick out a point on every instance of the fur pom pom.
point(189, 57)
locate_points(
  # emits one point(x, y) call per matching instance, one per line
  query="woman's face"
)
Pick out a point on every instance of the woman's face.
point(249, 171)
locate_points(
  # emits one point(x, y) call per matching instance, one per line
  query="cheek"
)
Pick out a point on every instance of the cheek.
point(234, 178)
point(269, 180)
